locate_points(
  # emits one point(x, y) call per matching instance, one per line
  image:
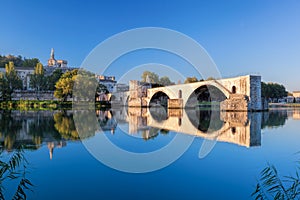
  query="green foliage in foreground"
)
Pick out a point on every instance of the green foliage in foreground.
point(272, 186)
point(14, 169)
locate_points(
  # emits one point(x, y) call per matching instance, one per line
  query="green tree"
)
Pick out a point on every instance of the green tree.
point(210, 78)
point(10, 81)
point(2, 84)
point(165, 81)
point(38, 78)
point(151, 77)
point(191, 80)
point(273, 90)
point(31, 62)
point(17, 60)
point(53, 78)
point(64, 86)
point(87, 87)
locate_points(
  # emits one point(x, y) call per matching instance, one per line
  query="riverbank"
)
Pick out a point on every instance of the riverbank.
point(284, 105)
point(44, 105)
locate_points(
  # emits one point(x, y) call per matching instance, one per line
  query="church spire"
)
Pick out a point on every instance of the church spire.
point(52, 54)
point(52, 61)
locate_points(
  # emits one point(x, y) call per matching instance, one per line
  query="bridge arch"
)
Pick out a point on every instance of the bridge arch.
point(159, 98)
point(205, 93)
point(215, 84)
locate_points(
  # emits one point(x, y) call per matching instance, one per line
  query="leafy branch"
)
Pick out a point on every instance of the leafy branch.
point(15, 168)
point(271, 186)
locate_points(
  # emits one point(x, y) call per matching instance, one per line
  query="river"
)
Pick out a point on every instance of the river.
point(148, 153)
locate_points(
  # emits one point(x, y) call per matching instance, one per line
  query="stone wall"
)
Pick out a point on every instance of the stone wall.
point(247, 95)
point(255, 93)
point(236, 102)
point(33, 95)
point(175, 103)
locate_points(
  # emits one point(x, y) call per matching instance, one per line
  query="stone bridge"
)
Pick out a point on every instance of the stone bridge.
point(241, 93)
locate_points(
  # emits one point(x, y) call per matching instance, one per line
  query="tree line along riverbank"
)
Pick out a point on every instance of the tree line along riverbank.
point(44, 105)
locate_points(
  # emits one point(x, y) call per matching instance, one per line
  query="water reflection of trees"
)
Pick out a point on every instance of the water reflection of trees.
point(9, 129)
point(274, 118)
point(31, 129)
point(64, 124)
point(86, 123)
point(42, 127)
point(27, 129)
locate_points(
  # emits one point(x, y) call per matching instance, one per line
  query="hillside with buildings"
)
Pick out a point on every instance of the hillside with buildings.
point(25, 70)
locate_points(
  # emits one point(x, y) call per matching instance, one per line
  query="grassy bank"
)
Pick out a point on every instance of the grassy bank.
point(42, 105)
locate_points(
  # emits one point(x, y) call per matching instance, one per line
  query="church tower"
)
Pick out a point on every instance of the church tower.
point(52, 61)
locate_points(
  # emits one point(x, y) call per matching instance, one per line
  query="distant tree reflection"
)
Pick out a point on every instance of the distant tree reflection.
point(41, 127)
point(64, 124)
point(274, 118)
point(10, 127)
point(86, 123)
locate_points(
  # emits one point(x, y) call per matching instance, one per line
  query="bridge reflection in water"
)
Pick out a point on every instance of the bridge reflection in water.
point(33, 129)
point(241, 128)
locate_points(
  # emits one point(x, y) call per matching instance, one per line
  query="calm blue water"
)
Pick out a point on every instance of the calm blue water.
point(229, 171)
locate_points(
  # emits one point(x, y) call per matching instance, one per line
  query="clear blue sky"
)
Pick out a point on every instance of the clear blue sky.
point(241, 36)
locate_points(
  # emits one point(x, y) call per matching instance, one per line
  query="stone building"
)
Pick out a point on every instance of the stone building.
point(25, 74)
point(108, 81)
point(296, 94)
point(52, 62)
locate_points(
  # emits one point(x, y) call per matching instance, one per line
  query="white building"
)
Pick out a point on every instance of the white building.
point(25, 74)
point(108, 81)
point(122, 87)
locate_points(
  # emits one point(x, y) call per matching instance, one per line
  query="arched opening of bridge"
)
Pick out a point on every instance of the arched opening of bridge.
point(205, 96)
point(233, 90)
point(159, 106)
point(159, 99)
point(205, 120)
